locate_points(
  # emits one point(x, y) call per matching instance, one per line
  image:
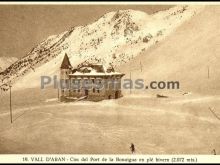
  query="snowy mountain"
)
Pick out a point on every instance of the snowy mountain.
point(6, 62)
point(116, 38)
point(189, 55)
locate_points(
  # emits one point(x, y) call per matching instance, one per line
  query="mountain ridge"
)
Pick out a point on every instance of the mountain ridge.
point(115, 38)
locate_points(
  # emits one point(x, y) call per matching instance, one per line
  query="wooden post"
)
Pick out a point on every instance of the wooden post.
point(10, 105)
point(141, 66)
point(208, 72)
point(130, 81)
point(58, 94)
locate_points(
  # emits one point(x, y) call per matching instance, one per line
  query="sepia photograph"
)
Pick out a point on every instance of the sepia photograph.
point(110, 78)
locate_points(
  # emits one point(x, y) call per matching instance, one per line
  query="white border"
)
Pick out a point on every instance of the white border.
point(68, 158)
point(18, 158)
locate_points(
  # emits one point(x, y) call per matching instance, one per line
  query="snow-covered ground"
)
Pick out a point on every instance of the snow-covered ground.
point(174, 125)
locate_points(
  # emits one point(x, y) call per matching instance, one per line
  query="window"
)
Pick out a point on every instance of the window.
point(93, 90)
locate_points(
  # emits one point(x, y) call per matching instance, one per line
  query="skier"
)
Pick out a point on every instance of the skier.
point(214, 152)
point(132, 148)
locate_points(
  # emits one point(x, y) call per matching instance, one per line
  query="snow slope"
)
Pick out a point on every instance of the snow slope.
point(116, 38)
point(185, 56)
point(6, 62)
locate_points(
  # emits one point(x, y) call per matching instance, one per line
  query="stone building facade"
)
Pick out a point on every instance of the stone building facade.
point(89, 82)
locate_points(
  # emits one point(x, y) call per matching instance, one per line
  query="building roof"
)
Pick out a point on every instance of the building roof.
point(94, 70)
point(96, 74)
point(66, 63)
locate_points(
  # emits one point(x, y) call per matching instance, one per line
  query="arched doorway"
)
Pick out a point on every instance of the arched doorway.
point(86, 92)
point(116, 94)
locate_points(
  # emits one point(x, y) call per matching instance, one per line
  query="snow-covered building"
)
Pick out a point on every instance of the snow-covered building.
point(89, 81)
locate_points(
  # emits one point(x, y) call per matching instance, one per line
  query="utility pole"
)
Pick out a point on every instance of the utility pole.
point(10, 104)
point(130, 81)
point(208, 72)
point(58, 94)
point(141, 66)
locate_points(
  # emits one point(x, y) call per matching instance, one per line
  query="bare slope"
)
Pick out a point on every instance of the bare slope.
point(185, 56)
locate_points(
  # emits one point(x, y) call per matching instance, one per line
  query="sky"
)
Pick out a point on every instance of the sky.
point(22, 27)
